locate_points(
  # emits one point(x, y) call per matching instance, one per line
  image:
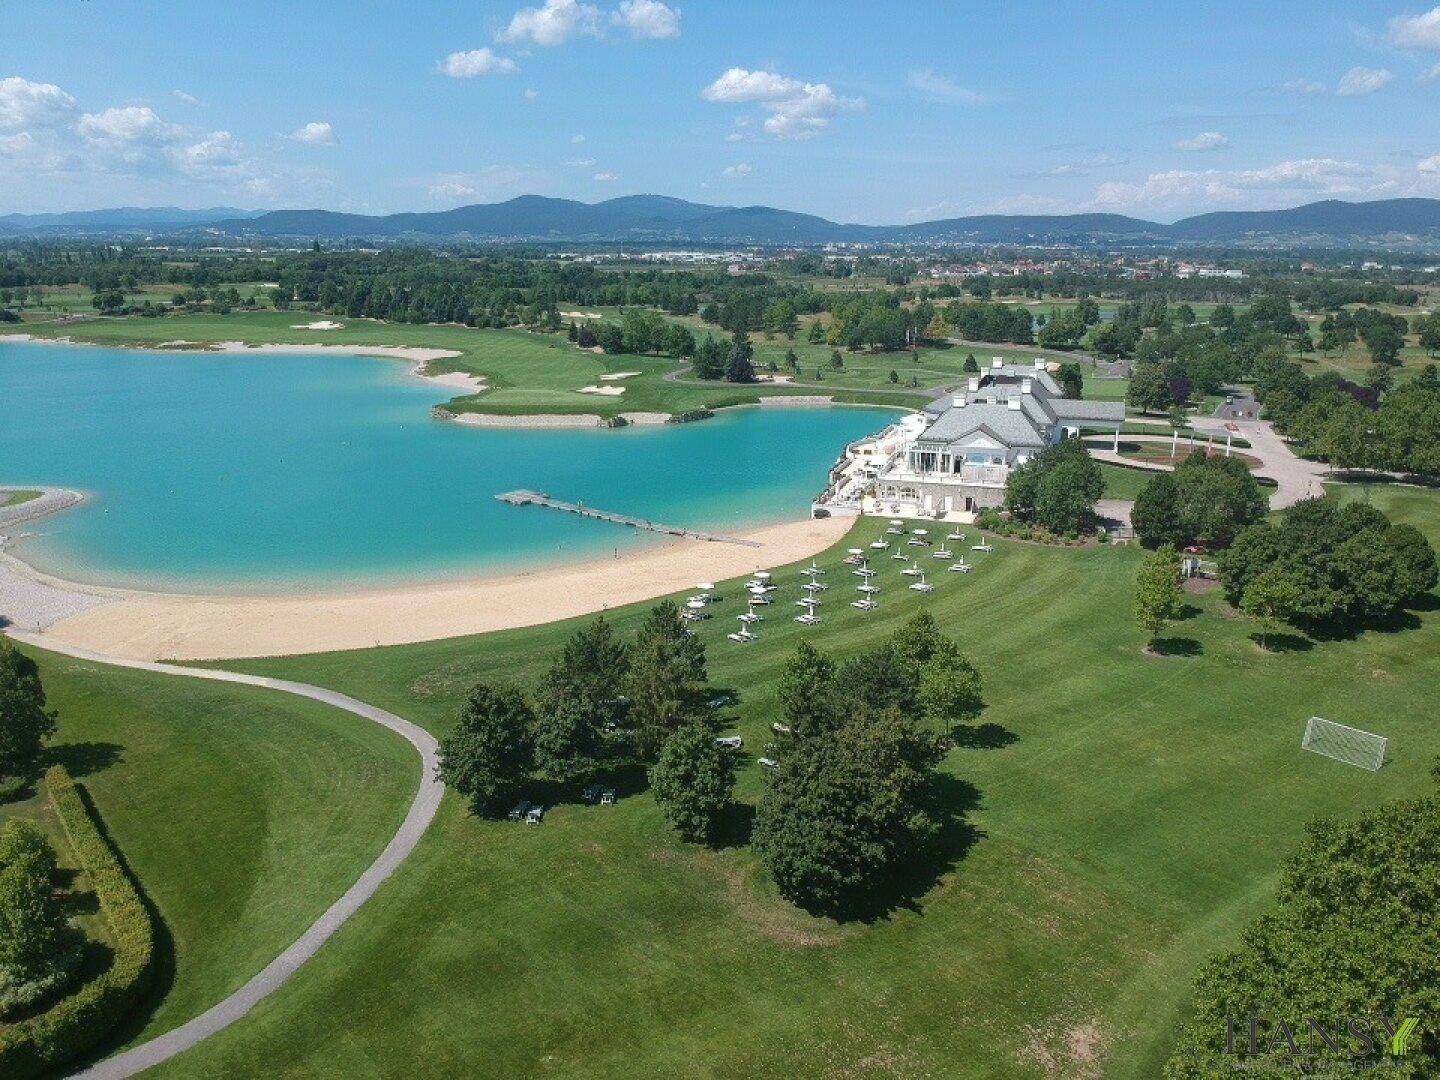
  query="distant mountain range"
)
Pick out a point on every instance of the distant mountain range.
point(122, 221)
point(660, 219)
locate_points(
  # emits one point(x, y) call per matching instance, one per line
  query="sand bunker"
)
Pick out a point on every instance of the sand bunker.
point(323, 324)
point(615, 375)
point(604, 391)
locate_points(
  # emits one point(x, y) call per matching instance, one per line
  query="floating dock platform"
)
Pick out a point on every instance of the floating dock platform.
point(539, 498)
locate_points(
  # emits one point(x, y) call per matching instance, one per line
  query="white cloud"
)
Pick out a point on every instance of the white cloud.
point(475, 62)
point(736, 172)
point(1303, 86)
point(30, 104)
point(491, 182)
point(530, 93)
point(1417, 32)
point(740, 85)
point(576, 140)
point(128, 124)
point(933, 83)
point(1206, 140)
point(795, 109)
point(184, 98)
point(735, 136)
point(606, 177)
point(16, 144)
point(579, 163)
point(554, 23)
point(1361, 81)
point(1433, 75)
point(1430, 165)
point(217, 151)
point(647, 19)
point(1298, 179)
point(316, 133)
point(452, 189)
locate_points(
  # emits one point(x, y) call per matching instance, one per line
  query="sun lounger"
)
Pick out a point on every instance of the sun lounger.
point(961, 567)
point(535, 815)
point(521, 809)
point(730, 742)
point(768, 763)
point(607, 797)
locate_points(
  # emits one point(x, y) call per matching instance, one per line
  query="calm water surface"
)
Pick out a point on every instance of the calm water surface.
point(220, 472)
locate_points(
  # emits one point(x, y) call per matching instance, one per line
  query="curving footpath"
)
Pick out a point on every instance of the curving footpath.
point(278, 971)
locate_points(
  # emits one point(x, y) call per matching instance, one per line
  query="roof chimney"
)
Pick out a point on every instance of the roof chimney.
point(958, 401)
point(1027, 386)
point(1014, 404)
point(974, 383)
point(997, 361)
point(1039, 364)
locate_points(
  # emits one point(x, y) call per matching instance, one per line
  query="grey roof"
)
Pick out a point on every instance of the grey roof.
point(1011, 372)
point(1111, 412)
point(1010, 426)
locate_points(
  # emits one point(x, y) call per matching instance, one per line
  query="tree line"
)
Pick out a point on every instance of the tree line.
point(854, 794)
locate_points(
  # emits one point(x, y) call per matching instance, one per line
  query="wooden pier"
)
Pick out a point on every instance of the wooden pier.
point(539, 498)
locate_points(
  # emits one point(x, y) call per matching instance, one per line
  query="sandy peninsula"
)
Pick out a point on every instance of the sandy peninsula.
point(153, 626)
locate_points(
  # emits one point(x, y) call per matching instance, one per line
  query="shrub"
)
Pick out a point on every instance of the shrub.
point(76, 1024)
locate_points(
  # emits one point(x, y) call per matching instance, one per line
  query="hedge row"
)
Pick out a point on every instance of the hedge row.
point(77, 1023)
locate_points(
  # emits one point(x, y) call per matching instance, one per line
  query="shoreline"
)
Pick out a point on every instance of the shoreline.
point(418, 357)
point(152, 625)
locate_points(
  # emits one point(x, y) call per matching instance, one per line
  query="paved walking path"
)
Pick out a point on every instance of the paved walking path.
point(278, 971)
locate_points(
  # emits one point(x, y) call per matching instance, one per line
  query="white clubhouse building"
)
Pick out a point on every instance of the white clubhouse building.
point(954, 456)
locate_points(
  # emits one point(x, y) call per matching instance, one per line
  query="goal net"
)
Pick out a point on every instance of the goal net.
point(1347, 744)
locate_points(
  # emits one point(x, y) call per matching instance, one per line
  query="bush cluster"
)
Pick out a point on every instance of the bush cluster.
point(78, 1022)
point(1328, 564)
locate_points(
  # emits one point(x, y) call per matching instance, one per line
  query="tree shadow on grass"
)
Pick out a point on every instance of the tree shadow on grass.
point(983, 736)
point(736, 828)
point(1176, 646)
point(1282, 643)
point(85, 758)
point(953, 801)
point(1188, 612)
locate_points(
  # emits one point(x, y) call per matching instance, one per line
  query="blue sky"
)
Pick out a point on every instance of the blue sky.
point(871, 112)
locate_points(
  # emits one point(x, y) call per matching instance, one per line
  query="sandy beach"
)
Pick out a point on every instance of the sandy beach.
point(151, 626)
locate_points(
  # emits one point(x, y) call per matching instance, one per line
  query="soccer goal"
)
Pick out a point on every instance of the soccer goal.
point(1347, 744)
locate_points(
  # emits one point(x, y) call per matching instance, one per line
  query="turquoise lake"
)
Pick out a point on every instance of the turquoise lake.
point(226, 472)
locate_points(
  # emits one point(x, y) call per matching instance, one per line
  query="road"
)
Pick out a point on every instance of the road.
point(278, 971)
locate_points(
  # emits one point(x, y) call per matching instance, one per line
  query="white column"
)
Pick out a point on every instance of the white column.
point(1116, 447)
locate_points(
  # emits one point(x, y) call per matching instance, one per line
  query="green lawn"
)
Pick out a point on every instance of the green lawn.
point(244, 813)
point(1123, 483)
point(1129, 813)
point(544, 373)
point(17, 497)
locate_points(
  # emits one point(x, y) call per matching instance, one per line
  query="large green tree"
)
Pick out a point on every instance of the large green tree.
point(810, 700)
point(486, 756)
point(667, 679)
point(845, 809)
point(1350, 936)
point(581, 700)
point(694, 782)
point(25, 722)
